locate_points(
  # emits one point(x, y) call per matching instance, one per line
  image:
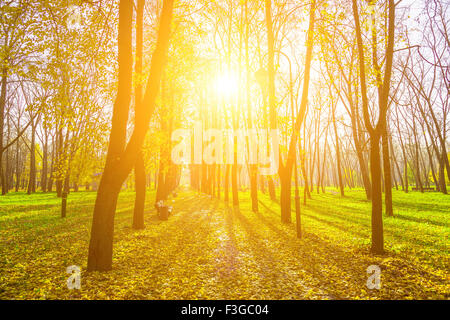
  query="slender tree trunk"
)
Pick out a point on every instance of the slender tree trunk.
point(59, 148)
point(396, 164)
point(219, 168)
point(44, 165)
point(285, 196)
point(433, 171)
point(306, 193)
point(7, 163)
point(417, 163)
point(387, 175)
point(338, 155)
point(442, 173)
point(2, 126)
point(271, 78)
point(253, 168)
point(66, 186)
point(139, 203)
point(377, 131)
point(139, 169)
point(52, 166)
point(120, 159)
point(17, 184)
point(377, 202)
point(285, 171)
point(32, 177)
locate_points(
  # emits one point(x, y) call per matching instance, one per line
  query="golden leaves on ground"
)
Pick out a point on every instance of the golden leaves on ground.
point(210, 251)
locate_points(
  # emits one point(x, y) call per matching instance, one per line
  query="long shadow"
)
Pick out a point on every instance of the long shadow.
point(310, 255)
point(336, 258)
point(323, 253)
point(270, 224)
point(183, 237)
point(395, 234)
point(336, 225)
point(332, 224)
point(422, 206)
point(421, 220)
point(333, 213)
point(229, 266)
point(29, 207)
point(315, 252)
point(267, 260)
point(357, 222)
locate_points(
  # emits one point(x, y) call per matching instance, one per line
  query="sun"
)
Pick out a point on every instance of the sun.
point(227, 84)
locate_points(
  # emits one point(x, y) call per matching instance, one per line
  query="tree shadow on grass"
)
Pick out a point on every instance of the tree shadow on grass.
point(422, 206)
point(356, 223)
point(421, 220)
point(332, 224)
point(353, 263)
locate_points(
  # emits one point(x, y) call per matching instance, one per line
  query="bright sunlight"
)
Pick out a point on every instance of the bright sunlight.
point(224, 150)
point(227, 84)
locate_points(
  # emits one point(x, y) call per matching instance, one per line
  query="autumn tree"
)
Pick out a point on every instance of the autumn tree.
point(376, 131)
point(121, 155)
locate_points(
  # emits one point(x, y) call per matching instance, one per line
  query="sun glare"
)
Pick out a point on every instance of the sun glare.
point(227, 84)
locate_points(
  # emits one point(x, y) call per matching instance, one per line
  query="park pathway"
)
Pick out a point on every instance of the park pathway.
point(209, 250)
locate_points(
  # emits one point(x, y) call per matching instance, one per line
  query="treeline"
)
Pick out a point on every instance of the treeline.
point(92, 92)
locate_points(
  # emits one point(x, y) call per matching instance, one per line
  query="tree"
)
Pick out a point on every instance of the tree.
point(376, 131)
point(285, 170)
point(122, 157)
point(271, 85)
point(139, 169)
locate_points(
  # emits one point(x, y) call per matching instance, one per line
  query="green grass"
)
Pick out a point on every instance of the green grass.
point(208, 250)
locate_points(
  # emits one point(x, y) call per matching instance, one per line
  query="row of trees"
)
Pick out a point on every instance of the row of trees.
point(357, 90)
point(54, 86)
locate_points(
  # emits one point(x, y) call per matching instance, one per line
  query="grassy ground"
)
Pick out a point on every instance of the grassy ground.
point(210, 251)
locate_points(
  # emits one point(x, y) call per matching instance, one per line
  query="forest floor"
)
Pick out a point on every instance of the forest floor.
point(207, 250)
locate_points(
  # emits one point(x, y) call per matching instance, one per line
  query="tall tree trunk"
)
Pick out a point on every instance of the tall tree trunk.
point(387, 174)
point(377, 201)
point(7, 163)
point(271, 78)
point(120, 159)
point(396, 163)
point(139, 169)
point(66, 186)
point(139, 203)
point(338, 155)
point(32, 177)
point(433, 171)
point(59, 150)
point(358, 147)
point(17, 171)
point(442, 173)
point(417, 163)
point(285, 195)
point(2, 126)
point(52, 169)
point(306, 193)
point(285, 171)
point(44, 164)
point(376, 131)
point(253, 168)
